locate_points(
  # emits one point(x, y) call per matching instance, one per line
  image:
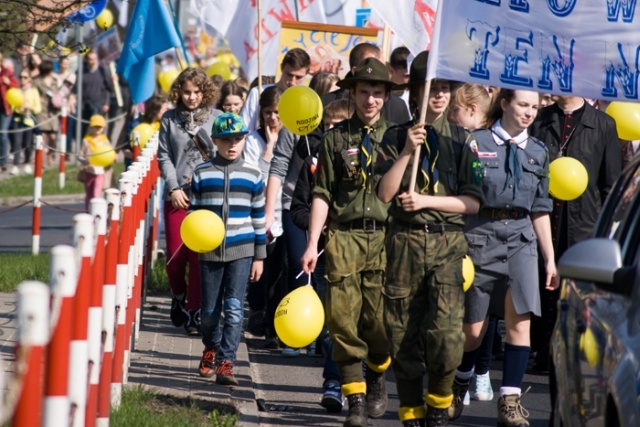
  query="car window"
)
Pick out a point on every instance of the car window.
point(617, 204)
point(625, 218)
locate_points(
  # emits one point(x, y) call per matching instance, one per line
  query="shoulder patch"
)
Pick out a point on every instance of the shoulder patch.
point(473, 146)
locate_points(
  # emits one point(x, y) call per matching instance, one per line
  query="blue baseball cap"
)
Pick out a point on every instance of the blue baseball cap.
point(228, 125)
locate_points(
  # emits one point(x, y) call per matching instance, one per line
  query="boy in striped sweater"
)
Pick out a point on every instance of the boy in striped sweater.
point(234, 191)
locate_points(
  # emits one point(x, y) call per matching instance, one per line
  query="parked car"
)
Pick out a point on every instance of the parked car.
point(596, 340)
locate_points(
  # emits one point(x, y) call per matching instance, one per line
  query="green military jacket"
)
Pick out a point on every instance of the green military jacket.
point(460, 172)
point(338, 177)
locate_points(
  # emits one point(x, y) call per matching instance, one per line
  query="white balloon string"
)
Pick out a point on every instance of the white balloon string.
point(175, 253)
point(302, 272)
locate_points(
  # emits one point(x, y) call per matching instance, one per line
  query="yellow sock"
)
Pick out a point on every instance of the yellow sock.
point(354, 388)
point(379, 368)
point(406, 413)
point(438, 402)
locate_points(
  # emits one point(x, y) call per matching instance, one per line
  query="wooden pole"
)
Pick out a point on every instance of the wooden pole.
point(386, 42)
point(421, 119)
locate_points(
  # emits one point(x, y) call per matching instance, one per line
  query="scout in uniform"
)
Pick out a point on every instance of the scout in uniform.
point(503, 244)
point(345, 199)
point(423, 295)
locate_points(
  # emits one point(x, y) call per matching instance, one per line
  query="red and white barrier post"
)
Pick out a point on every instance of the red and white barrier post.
point(37, 194)
point(98, 210)
point(79, 359)
point(63, 274)
point(122, 285)
point(62, 147)
point(109, 308)
point(33, 335)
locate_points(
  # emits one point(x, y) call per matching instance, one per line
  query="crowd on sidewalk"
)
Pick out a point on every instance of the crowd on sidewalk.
point(393, 235)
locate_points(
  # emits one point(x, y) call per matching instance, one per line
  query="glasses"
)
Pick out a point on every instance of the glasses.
point(24, 77)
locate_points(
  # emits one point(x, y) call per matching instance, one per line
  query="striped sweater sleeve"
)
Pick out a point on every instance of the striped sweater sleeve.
point(258, 218)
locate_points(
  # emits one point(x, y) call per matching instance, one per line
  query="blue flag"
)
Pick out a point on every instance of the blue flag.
point(151, 31)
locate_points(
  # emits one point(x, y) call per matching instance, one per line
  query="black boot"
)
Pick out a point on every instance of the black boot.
point(418, 422)
point(376, 394)
point(357, 416)
point(437, 417)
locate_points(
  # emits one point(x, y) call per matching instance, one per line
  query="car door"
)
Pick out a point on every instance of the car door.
point(600, 315)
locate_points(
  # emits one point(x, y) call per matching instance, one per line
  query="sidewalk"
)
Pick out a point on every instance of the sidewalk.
point(164, 359)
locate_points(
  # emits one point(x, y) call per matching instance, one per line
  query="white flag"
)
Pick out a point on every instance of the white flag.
point(237, 21)
point(411, 20)
point(123, 11)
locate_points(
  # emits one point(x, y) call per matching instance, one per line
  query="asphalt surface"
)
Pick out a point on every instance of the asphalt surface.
point(273, 390)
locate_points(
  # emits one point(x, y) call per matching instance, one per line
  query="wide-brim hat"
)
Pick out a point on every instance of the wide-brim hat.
point(371, 70)
point(228, 125)
point(417, 72)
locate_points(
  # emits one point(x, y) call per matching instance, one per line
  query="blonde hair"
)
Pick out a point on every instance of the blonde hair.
point(340, 109)
point(474, 94)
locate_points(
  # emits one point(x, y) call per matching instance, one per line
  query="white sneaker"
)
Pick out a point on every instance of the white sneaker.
point(28, 170)
point(482, 388)
point(467, 399)
point(14, 170)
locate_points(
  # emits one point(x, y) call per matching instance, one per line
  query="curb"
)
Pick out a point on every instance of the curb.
point(245, 395)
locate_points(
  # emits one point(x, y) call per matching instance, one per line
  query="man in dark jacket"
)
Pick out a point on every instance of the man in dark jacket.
point(571, 127)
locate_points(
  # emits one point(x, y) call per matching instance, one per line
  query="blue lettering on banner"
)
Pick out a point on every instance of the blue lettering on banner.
point(560, 62)
point(628, 8)
point(519, 6)
point(510, 72)
point(563, 9)
point(626, 76)
point(490, 2)
point(491, 37)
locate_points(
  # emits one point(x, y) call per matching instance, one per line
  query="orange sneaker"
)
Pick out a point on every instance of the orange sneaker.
point(207, 363)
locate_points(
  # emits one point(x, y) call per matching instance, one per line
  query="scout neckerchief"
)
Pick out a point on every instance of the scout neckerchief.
point(366, 154)
point(428, 166)
point(513, 167)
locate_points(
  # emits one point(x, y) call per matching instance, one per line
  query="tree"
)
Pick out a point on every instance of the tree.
point(22, 20)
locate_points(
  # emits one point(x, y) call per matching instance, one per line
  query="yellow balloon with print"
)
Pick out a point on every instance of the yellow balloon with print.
point(102, 155)
point(219, 68)
point(166, 79)
point(568, 178)
point(105, 19)
point(627, 117)
point(202, 231)
point(299, 317)
point(589, 345)
point(15, 97)
point(145, 131)
point(300, 110)
point(468, 272)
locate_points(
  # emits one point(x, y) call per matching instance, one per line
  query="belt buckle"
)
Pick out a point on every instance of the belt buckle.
point(504, 214)
point(369, 225)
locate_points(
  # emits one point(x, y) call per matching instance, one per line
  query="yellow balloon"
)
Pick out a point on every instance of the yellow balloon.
point(105, 19)
point(15, 97)
point(103, 155)
point(145, 132)
point(299, 317)
point(219, 68)
point(468, 272)
point(202, 231)
point(568, 178)
point(627, 117)
point(166, 79)
point(589, 346)
point(300, 110)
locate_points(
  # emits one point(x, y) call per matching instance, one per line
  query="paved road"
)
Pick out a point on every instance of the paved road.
point(167, 359)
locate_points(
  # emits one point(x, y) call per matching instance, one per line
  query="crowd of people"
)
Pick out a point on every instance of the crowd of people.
point(378, 207)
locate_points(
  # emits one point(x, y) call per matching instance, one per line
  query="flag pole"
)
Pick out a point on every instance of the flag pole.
point(416, 155)
point(386, 42)
point(259, 5)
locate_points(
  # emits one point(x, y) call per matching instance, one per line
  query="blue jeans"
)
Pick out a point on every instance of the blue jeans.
point(223, 288)
point(5, 122)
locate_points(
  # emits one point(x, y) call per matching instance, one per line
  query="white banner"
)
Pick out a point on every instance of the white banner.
point(411, 20)
point(237, 21)
point(584, 48)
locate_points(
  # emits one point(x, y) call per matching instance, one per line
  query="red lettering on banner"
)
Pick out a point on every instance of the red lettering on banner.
point(249, 51)
point(284, 14)
point(304, 5)
point(427, 15)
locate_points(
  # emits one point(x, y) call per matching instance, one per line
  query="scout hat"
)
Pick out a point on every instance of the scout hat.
point(97, 121)
point(228, 125)
point(417, 72)
point(371, 70)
